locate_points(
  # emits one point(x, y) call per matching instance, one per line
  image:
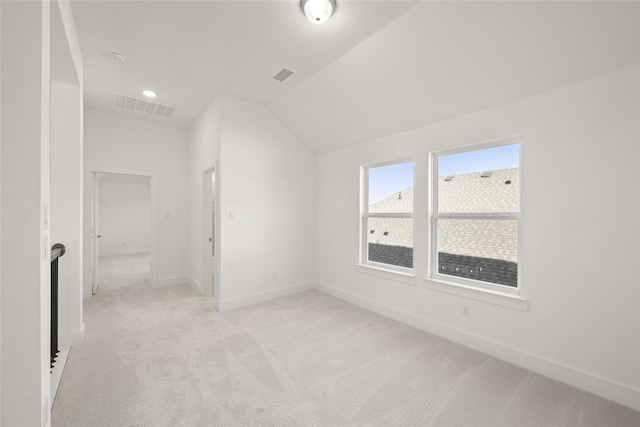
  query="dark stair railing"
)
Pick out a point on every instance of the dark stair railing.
point(56, 252)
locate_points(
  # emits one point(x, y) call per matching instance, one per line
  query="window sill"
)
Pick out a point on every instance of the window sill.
point(384, 273)
point(516, 302)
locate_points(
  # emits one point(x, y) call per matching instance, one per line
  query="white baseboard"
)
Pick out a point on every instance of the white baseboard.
point(608, 389)
point(171, 281)
point(124, 252)
point(197, 286)
point(232, 303)
point(76, 338)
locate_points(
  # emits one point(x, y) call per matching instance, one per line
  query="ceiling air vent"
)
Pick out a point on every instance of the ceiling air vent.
point(142, 106)
point(283, 75)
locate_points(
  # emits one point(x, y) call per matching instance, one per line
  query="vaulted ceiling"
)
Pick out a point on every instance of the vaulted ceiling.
point(376, 68)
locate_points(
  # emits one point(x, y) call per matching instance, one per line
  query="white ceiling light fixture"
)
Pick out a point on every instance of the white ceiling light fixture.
point(149, 93)
point(318, 11)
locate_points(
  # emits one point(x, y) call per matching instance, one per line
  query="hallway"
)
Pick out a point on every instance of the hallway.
point(126, 371)
point(116, 272)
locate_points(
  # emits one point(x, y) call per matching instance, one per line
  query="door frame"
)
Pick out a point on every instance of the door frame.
point(95, 229)
point(153, 184)
point(208, 193)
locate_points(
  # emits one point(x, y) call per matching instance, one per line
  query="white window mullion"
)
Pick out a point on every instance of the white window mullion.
point(479, 215)
point(389, 215)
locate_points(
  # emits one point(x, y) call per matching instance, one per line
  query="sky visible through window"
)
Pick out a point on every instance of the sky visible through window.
point(488, 159)
point(387, 180)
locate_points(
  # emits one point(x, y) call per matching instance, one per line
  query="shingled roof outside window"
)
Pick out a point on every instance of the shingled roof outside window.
point(389, 240)
point(476, 218)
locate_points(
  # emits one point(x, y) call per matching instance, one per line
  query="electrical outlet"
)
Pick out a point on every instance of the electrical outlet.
point(465, 310)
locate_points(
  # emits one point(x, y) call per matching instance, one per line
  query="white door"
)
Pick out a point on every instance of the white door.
point(95, 234)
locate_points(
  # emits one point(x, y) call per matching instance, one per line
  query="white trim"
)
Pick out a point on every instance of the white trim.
point(433, 274)
point(477, 293)
point(492, 143)
point(479, 285)
point(365, 215)
point(407, 278)
point(154, 259)
point(196, 285)
point(127, 252)
point(218, 235)
point(171, 281)
point(243, 301)
point(606, 388)
point(389, 215)
point(76, 338)
point(480, 215)
point(209, 196)
point(388, 163)
point(155, 225)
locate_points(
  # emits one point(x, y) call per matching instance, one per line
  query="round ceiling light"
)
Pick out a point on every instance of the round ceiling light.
point(318, 11)
point(149, 93)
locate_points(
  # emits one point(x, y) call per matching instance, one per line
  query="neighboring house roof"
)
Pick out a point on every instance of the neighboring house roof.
point(470, 192)
point(392, 231)
point(479, 238)
point(396, 202)
point(460, 193)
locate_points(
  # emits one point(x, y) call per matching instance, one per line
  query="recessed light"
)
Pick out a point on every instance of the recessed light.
point(149, 93)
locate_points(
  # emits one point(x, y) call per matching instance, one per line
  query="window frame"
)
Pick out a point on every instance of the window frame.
point(434, 216)
point(365, 215)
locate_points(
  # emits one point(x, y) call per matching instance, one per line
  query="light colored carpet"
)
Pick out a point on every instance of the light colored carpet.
point(165, 357)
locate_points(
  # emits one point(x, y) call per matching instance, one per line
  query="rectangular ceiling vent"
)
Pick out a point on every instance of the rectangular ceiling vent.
point(283, 75)
point(124, 101)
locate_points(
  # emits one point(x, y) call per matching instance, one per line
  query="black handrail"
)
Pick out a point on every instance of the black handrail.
point(57, 251)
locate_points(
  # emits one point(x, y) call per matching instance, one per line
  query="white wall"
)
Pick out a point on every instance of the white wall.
point(66, 178)
point(1, 369)
point(24, 197)
point(266, 206)
point(39, 44)
point(265, 203)
point(125, 218)
point(204, 151)
point(580, 226)
point(140, 147)
point(66, 207)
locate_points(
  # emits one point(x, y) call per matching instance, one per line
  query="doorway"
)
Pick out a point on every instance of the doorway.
point(210, 241)
point(122, 224)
